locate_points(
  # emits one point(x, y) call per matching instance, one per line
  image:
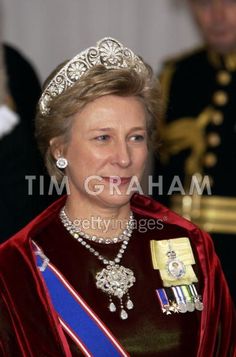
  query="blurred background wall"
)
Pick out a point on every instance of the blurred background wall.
point(49, 31)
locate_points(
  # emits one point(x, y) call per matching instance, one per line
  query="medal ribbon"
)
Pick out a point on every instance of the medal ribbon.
point(161, 294)
point(178, 294)
point(193, 291)
point(186, 293)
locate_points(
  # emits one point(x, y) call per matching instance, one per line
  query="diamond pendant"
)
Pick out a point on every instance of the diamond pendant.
point(115, 280)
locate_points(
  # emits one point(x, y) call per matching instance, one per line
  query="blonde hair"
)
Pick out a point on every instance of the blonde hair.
point(97, 82)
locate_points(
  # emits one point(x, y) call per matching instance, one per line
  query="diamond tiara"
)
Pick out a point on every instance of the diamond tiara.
point(108, 52)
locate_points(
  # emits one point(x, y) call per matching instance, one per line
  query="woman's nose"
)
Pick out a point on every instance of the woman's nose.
point(122, 154)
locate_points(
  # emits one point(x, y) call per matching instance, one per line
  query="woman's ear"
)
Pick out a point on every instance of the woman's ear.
point(56, 147)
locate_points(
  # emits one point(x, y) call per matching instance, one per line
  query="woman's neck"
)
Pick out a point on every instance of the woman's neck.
point(106, 222)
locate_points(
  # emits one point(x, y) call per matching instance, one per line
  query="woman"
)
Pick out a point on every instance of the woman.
point(104, 271)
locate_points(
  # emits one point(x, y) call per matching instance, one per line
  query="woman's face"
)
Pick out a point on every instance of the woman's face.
point(107, 148)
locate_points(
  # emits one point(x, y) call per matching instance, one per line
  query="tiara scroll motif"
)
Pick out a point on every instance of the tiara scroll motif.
point(108, 52)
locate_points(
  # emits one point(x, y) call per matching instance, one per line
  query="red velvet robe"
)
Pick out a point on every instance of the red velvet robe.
point(30, 326)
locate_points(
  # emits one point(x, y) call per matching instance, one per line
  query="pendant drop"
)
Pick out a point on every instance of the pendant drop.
point(123, 314)
point(112, 307)
point(129, 304)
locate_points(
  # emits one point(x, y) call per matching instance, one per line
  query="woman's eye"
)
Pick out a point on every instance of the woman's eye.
point(137, 138)
point(102, 137)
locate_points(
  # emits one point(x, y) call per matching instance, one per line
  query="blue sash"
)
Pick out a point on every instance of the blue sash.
point(84, 327)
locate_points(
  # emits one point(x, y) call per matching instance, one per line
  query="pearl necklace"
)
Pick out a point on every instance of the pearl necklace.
point(115, 280)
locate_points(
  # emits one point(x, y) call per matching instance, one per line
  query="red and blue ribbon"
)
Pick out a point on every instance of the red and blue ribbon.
point(76, 317)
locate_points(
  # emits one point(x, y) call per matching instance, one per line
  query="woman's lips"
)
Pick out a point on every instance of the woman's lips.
point(117, 180)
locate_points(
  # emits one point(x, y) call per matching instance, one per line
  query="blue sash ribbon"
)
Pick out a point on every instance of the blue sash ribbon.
point(97, 341)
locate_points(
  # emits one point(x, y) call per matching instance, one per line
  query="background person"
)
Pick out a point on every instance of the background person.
point(19, 156)
point(199, 133)
point(67, 289)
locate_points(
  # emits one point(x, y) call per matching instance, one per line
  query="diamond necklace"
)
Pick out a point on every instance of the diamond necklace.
point(77, 230)
point(114, 280)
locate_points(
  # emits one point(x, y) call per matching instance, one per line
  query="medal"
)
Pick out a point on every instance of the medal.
point(164, 301)
point(198, 305)
point(196, 298)
point(190, 306)
point(179, 297)
point(175, 267)
point(188, 298)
